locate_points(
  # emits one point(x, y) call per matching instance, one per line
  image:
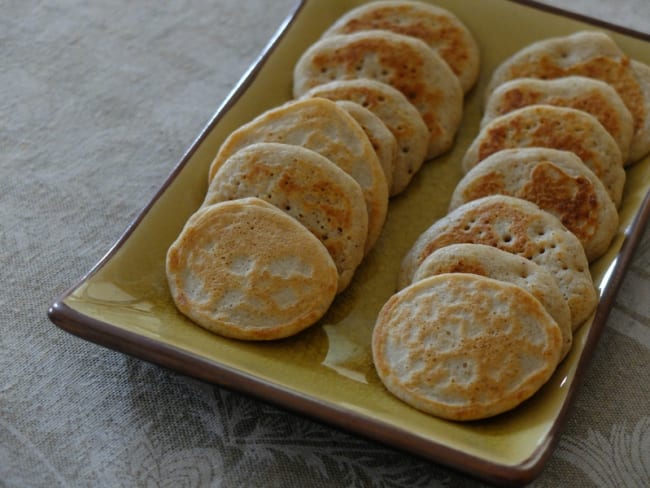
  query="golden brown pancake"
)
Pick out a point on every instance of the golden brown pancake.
point(588, 53)
point(324, 127)
point(641, 141)
point(494, 263)
point(306, 186)
point(553, 127)
point(403, 62)
point(464, 347)
point(556, 181)
point(246, 270)
point(587, 94)
point(440, 29)
point(519, 227)
point(382, 140)
point(396, 112)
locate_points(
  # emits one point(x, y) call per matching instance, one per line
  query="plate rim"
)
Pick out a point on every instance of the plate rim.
point(185, 362)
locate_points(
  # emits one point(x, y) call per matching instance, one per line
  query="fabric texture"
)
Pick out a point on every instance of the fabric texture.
point(98, 101)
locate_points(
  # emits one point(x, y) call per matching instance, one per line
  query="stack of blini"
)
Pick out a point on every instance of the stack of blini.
point(299, 195)
point(492, 292)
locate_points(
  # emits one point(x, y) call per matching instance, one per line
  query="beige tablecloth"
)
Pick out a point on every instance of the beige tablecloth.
point(98, 101)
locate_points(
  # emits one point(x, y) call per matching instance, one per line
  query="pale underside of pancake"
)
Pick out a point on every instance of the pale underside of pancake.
point(566, 129)
point(641, 142)
point(396, 112)
point(464, 347)
point(439, 28)
point(588, 53)
point(306, 186)
point(246, 270)
point(587, 94)
point(519, 227)
point(403, 62)
point(503, 266)
point(324, 127)
point(382, 140)
point(556, 181)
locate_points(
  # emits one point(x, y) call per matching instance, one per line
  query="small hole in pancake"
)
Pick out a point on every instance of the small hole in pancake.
point(324, 237)
point(384, 72)
point(565, 267)
point(287, 208)
point(406, 149)
point(581, 269)
point(507, 238)
point(323, 69)
point(542, 250)
point(381, 98)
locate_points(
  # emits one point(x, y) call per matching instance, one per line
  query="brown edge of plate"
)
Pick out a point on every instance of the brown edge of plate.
point(176, 359)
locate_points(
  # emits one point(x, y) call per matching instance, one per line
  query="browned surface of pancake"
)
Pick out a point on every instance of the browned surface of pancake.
point(519, 227)
point(556, 181)
point(382, 140)
point(397, 113)
point(552, 127)
point(587, 94)
point(324, 127)
point(306, 186)
point(494, 263)
point(246, 270)
point(464, 347)
point(590, 54)
point(439, 28)
point(403, 62)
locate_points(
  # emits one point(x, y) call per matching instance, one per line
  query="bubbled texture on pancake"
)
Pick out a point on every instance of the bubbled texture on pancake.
point(494, 263)
point(305, 185)
point(519, 227)
point(590, 54)
point(557, 181)
point(403, 62)
point(396, 112)
point(246, 270)
point(587, 94)
point(641, 141)
point(464, 347)
point(382, 140)
point(440, 29)
point(324, 127)
point(552, 127)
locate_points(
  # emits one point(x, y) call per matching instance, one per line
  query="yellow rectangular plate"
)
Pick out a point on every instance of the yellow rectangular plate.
point(326, 372)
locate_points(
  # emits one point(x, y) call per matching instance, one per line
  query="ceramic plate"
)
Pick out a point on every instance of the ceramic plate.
point(326, 372)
